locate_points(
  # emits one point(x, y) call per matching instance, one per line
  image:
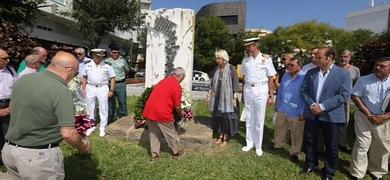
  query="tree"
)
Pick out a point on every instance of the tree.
point(15, 14)
point(300, 38)
point(96, 19)
point(368, 52)
point(19, 12)
point(210, 34)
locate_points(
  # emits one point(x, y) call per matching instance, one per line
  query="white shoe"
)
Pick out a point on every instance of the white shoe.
point(102, 133)
point(259, 152)
point(246, 148)
point(90, 131)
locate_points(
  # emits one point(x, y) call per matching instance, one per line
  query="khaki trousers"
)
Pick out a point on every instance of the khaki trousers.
point(159, 130)
point(371, 139)
point(34, 164)
point(282, 125)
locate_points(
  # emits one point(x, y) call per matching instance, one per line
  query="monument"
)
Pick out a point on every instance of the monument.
point(170, 44)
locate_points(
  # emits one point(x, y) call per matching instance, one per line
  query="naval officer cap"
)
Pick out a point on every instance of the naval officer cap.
point(98, 52)
point(250, 41)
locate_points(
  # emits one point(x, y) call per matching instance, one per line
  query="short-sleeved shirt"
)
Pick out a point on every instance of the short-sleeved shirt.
point(81, 67)
point(41, 104)
point(372, 92)
point(307, 67)
point(27, 71)
point(8, 78)
point(23, 65)
point(354, 72)
point(166, 95)
point(257, 69)
point(98, 74)
point(288, 97)
point(120, 68)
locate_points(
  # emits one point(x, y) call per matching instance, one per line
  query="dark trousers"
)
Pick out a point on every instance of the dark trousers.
point(331, 134)
point(4, 123)
point(121, 96)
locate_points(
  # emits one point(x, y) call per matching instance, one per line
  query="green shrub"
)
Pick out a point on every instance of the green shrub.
point(140, 104)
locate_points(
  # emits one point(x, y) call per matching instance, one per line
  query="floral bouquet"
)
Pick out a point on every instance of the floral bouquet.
point(186, 110)
point(83, 124)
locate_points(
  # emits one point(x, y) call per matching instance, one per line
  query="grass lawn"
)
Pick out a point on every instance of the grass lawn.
point(119, 159)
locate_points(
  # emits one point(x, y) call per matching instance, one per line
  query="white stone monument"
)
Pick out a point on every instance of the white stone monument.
point(170, 44)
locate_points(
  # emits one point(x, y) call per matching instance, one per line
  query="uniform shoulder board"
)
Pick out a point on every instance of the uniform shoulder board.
point(87, 61)
point(107, 63)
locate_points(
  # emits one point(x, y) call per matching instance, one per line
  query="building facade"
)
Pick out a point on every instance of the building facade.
point(375, 18)
point(53, 28)
point(232, 13)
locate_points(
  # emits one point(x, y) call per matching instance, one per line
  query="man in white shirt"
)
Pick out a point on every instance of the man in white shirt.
point(96, 76)
point(313, 63)
point(258, 70)
point(80, 55)
point(33, 62)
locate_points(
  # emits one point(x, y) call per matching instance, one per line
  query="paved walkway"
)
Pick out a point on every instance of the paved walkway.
point(138, 89)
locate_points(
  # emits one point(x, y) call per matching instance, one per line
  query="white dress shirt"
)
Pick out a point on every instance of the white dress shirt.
point(322, 76)
point(257, 69)
point(26, 71)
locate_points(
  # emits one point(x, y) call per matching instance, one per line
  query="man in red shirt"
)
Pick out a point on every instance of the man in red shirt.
point(164, 100)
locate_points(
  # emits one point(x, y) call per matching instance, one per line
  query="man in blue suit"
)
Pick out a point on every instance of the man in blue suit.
point(325, 91)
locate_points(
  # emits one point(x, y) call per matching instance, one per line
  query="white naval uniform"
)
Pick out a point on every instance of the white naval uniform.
point(98, 77)
point(256, 72)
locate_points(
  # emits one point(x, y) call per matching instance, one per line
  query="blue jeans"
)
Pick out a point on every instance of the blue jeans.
point(121, 96)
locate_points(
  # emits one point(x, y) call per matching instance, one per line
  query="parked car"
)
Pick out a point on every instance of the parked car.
point(140, 73)
point(199, 76)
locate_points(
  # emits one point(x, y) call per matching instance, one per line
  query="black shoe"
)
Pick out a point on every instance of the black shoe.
point(307, 171)
point(375, 178)
point(294, 158)
point(154, 158)
point(178, 155)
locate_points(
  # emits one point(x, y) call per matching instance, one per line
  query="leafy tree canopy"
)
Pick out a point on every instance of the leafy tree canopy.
point(211, 34)
point(19, 12)
point(96, 19)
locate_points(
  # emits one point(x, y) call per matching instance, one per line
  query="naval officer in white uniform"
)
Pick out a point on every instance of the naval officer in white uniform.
point(96, 76)
point(258, 70)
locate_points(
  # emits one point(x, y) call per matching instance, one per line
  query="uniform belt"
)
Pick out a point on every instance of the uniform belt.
point(121, 81)
point(4, 103)
point(257, 84)
point(5, 100)
point(46, 146)
point(97, 85)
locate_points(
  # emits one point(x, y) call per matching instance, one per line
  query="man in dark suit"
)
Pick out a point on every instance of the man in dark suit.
point(325, 91)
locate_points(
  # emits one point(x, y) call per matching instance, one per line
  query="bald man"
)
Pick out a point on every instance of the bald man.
point(33, 63)
point(41, 53)
point(40, 122)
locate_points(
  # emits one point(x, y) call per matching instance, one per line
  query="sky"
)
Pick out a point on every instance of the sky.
point(270, 14)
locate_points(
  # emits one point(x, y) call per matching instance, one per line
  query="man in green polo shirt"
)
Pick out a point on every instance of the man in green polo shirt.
point(42, 115)
point(120, 68)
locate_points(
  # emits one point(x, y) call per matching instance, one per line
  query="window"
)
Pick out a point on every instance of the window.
point(230, 20)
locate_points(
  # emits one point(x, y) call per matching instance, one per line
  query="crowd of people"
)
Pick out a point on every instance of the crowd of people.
point(312, 102)
point(39, 106)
